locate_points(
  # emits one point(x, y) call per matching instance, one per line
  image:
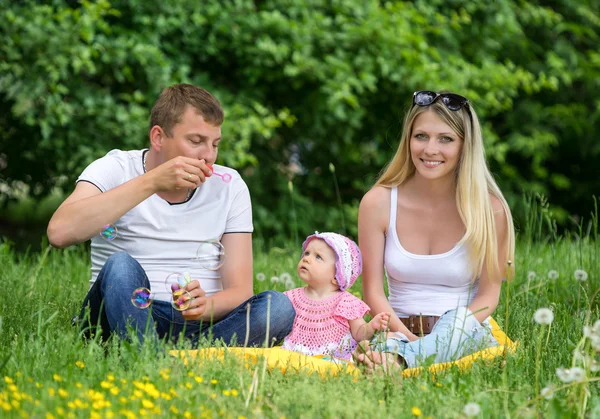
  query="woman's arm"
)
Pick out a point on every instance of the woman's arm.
point(373, 219)
point(488, 294)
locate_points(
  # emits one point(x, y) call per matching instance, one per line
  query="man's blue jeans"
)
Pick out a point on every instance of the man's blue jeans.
point(110, 307)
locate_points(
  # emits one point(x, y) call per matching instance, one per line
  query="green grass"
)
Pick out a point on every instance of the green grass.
point(46, 370)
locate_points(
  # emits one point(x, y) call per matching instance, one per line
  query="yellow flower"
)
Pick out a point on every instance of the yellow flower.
point(57, 377)
point(416, 411)
point(198, 379)
point(226, 392)
point(80, 364)
point(94, 415)
point(147, 404)
point(234, 392)
point(78, 385)
point(213, 381)
point(123, 400)
point(38, 385)
point(51, 392)
point(12, 387)
point(187, 415)
point(191, 374)
point(8, 380)
point(110, 377)
point(62, 393)
point(114, 391)
point(105, 384)
point(60, 411)
point(213, 396)
point(188, 385)
point(6, 406)
point(49, 415)
point(174, 410)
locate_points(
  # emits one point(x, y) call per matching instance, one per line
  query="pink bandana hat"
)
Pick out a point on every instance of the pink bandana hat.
point(348, 265)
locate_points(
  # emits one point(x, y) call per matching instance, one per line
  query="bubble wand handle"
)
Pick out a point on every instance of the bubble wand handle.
point(226, 177)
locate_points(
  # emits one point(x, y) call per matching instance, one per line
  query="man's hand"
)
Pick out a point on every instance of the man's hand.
point(199, 303)
point(179, 173)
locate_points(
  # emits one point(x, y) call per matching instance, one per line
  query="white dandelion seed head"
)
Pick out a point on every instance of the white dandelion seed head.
point(553, 275)
point(564, 375)
point(580, 275)
point(595, 342)
point(587, 332)
point(471, 409)
point(577, 355)
point(577, 374)
point(284, 277)
point(274, 279)
point(289, 284)
point(547, 392)
point(261, 277)
point(543, 316)
point(531, 275)
point(594, 366)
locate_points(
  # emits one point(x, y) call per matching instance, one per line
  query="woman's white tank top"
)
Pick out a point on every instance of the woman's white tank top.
point(425, 284)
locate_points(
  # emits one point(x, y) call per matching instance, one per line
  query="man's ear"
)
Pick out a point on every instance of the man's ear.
point(157, 136)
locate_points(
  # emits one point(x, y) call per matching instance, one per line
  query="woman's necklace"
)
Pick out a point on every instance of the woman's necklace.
point(189, 192)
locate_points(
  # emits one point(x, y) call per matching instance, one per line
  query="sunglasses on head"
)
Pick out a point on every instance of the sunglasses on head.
point(452, 101)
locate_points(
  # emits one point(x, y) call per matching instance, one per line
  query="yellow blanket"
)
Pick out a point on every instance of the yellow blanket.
point(288, 361)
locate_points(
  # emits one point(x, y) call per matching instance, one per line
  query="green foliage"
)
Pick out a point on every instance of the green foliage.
point(305, 84)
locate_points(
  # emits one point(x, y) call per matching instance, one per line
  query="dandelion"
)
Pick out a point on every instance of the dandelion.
point(553, 275)
point(213, 381)
point(274, 279)
point(577, 374)
point(416, 411)
point(580, 275)
point(543, 316)
point(57, 377)
point(261, 277)
point(285, 276)
point(289, 284)
point(80, 364)
point(564, 375)
point(547, 392)
point(471, 409)
point(594, 366)
point(531, 275)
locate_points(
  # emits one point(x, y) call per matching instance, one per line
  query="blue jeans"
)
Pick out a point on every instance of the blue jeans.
point(110, 307)
point(456, 334)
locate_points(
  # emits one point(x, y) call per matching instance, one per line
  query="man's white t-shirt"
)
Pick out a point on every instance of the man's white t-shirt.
point(163, 237)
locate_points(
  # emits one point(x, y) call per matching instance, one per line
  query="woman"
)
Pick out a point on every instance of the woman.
point(438, 224)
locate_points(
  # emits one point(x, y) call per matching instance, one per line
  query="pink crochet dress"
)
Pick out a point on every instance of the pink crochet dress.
point(322, 327)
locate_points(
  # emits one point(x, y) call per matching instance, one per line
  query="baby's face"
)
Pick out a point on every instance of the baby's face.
point(317, 265)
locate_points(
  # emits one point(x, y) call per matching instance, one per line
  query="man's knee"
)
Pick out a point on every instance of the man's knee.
point(120, 266)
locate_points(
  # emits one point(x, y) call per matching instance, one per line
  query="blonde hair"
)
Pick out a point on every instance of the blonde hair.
point(474, 184)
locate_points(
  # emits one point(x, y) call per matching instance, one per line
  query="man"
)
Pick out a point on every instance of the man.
point(163, 202)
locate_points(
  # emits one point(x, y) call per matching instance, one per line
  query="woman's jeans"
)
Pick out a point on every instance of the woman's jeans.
point(456, 334)
point(110, 307)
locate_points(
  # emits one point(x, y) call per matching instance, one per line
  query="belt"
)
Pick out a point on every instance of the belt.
point(420, 325)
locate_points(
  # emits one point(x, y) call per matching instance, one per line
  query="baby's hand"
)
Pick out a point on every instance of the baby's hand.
point(380, 321)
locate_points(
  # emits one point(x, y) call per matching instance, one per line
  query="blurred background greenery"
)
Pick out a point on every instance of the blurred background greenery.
point(313, 90)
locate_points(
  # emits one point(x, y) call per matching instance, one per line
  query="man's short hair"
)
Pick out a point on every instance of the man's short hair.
point(172, 102)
